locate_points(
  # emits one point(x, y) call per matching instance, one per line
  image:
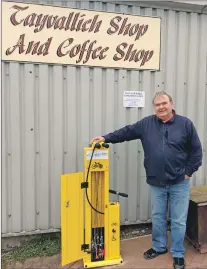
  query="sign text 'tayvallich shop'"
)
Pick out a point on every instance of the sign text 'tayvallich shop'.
point(57, 35)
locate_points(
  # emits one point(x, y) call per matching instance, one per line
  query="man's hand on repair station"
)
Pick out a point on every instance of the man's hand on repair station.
point(97, 139)
point(187, 177)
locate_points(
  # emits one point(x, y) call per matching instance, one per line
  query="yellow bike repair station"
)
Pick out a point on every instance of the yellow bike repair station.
point(90, 224)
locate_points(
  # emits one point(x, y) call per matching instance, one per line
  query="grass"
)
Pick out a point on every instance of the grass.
point(35, 247)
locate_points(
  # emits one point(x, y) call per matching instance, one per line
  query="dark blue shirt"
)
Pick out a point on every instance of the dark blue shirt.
point(171, 149)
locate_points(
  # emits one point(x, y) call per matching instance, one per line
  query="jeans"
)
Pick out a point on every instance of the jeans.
point(178, 196)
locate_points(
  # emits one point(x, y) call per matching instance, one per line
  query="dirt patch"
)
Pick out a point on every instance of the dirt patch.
point(53, 262)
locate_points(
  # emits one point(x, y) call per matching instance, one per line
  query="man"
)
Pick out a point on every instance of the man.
point(173, 153)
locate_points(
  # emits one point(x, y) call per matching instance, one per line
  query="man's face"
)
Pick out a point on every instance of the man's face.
point(163, 107)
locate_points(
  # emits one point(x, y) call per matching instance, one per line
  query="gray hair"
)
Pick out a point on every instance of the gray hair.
point(160, 94)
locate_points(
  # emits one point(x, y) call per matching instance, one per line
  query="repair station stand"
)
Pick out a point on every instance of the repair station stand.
point(90, 224)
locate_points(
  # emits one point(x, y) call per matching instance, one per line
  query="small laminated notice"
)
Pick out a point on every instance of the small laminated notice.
point(134, 99)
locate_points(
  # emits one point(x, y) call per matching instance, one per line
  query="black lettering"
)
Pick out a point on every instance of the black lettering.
point(32, 46)
point(60, 23)
point(19, 44)
point(102, 56)
point(43, 49)
point(89, 51)
point(75, 50)
point(40, 23)
point(84, 29)
point(59, 50)
point(130, 52)
point(133, 29)
point(147, 56)
point(110, 31)
point(50, 23)
point(30, 20)
point(142, 30)
point(124, 27)
point(139, 55)
point(94, 54)
point(13, 16)
point(80, 23)
point(74, 22)
point(69, 21)
point(120, 51)
point(95, 24)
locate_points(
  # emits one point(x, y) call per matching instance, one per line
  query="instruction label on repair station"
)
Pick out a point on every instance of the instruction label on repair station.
point(98, 154)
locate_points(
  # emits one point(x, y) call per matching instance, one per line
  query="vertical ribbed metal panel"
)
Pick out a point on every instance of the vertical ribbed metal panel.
point(50, 113)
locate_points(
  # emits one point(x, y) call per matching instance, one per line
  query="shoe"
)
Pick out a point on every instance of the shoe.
point(179, 263)
point(151, 254)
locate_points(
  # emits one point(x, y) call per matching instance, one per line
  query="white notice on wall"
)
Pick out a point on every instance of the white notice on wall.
point(134, 99)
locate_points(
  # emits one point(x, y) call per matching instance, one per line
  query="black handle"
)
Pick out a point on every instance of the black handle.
point(105, 145)
point(119, 193)
point(98, 146)
point(111, 191)
point(123, 194)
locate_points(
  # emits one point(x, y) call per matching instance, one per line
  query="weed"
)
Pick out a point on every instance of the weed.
point(36, 247)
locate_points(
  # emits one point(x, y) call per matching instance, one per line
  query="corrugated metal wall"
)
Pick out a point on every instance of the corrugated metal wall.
point(50, 113)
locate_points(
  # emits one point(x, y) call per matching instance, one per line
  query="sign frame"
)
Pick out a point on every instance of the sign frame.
point(86, 65)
